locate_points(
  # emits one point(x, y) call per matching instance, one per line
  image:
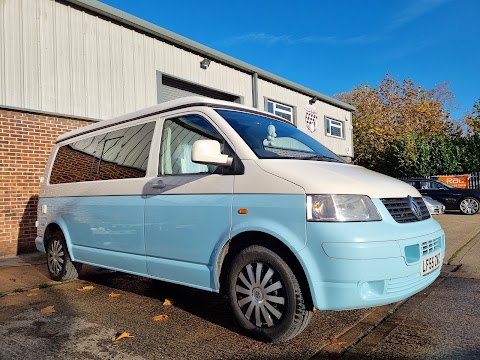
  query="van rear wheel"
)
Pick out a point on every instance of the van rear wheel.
point(60, 266)
point(265, 295)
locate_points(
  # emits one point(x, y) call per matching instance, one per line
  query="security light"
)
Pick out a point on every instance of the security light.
point(205, 63)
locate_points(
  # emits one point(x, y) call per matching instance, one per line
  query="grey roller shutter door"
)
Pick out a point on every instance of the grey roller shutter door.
point(172, 88)
point(171, 93)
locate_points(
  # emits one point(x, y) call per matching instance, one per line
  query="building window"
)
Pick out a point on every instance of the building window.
point(282, 110)
point(334, 128)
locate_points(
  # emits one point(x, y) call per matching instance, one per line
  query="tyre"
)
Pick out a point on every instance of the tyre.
point(265, 295)
point(60, 266)
point(469, 206)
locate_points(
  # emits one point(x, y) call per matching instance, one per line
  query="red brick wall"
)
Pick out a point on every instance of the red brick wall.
point(26, 140)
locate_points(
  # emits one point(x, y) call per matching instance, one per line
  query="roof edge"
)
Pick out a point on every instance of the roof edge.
point(181, 103)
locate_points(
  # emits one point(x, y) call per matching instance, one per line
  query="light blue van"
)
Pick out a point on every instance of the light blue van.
point(226, 198)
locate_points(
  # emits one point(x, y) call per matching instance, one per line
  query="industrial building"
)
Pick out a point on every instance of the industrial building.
point(67, 63)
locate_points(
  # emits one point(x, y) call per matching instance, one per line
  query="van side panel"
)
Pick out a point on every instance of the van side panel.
point(181, 231)
point(280, 215)
point(102, 230)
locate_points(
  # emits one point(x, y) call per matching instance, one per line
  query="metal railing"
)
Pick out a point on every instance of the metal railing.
point(473, 179)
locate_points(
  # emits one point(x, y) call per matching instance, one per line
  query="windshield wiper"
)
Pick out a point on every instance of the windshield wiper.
point(321, 158)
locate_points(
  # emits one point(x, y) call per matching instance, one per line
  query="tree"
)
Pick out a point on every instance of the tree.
point(398, 113)
point(473, 119)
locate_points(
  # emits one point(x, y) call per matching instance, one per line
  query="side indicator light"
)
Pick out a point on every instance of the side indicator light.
point(243, 211)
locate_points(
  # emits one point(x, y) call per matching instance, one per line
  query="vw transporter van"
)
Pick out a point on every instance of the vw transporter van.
point(227, 198)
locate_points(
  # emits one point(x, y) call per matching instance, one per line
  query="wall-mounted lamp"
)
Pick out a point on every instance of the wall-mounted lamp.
point(313, 100)
point(204, 64)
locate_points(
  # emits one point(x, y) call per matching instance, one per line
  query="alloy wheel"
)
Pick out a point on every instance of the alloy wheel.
point(469, 206)
point(56, 257)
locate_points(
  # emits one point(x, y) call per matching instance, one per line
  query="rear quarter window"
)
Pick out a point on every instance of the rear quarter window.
point(119, 154)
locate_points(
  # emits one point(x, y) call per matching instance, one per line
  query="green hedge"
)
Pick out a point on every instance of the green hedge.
point(416, 156)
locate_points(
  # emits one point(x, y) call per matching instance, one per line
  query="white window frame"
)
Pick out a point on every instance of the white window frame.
point(279, 111)
point(332, 123)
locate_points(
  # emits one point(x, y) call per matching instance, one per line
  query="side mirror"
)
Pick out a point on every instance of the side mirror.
point(208, 152)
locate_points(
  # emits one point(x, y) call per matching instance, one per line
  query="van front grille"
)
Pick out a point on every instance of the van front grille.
point(400, 210)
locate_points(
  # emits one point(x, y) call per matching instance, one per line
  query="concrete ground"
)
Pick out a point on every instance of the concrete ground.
point(459, 230)
point(442, 322)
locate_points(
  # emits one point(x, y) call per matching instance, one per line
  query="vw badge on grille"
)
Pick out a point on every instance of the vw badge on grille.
point(415, 207)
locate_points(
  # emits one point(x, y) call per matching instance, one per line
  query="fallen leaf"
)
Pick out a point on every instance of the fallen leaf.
point(121, 335)
point(337, 342)
point(112, 294)
point(47, 310)
point(86, 288)
point(168, 302)
point(160, 317)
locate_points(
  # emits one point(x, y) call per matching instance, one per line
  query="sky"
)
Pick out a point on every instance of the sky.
point(331, 46)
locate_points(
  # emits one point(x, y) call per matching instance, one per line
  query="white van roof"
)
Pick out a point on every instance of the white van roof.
point(164, 107)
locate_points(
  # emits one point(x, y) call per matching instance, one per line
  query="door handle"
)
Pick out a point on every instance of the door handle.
point(158, 185)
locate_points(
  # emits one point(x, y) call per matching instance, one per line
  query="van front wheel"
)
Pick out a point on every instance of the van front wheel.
point(60, 266)
point(265, 295)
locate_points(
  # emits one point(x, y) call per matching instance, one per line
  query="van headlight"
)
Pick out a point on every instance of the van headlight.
point(341, 208)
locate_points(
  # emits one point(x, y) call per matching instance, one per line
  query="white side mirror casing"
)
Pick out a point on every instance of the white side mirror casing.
point(208, 152)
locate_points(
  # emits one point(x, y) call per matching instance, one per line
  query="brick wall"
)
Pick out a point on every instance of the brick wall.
point(26, 140)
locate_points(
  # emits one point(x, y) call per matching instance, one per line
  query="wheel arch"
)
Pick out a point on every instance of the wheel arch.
point(249, 238)
point(57, 225)
point(49, 230)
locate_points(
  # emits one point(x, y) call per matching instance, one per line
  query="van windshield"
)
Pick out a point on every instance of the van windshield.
point(272, 139)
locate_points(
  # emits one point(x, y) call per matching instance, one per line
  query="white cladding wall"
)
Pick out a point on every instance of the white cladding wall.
point(60, 59)
point(57, 58)
point(280, 94)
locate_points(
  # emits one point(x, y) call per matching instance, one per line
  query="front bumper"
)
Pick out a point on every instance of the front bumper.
point(436, 209)
point(358, 265)
point(39, 244)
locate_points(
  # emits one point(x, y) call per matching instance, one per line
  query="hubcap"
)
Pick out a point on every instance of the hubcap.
point(260, 294)
point(469, 206)
point(55, 257)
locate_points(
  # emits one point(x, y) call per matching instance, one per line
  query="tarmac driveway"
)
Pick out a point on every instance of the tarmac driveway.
point(199, 324)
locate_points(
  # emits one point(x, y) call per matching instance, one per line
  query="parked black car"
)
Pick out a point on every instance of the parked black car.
point(465, 200)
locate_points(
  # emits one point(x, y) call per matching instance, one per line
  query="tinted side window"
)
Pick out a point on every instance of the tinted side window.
point(178, 136)
point(415, 184)
point(119, 154)
point(428, 185)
